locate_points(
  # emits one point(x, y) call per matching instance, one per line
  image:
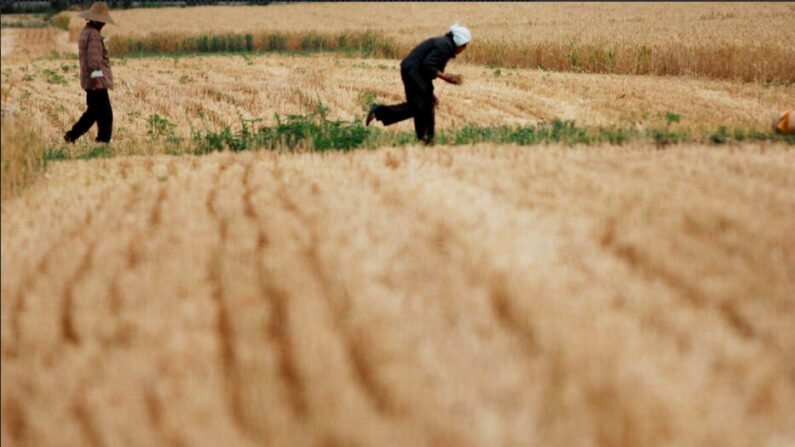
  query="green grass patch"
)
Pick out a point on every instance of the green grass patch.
point(53, 77)
point(53, 154)
point(316, 132)
point(24, 25)
point(58, 154)
point(99, 151)
point(366, 44)
point(311, 131)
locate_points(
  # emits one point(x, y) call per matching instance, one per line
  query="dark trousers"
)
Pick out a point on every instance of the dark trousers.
point(418, 105)
point(100, 112)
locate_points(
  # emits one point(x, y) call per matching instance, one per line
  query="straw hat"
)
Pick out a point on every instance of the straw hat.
point(98, 12)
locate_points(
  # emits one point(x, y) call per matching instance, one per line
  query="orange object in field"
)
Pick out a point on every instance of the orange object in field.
point(785, 123)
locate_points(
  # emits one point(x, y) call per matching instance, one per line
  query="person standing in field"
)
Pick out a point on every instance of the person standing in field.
point(96, 77)
point(423, 64)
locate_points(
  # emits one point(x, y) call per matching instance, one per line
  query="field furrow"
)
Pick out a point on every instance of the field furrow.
point(454, 296)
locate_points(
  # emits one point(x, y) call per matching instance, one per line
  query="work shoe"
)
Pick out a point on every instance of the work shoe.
point(370, 114)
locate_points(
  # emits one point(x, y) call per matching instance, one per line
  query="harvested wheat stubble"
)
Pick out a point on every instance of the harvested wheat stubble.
point(214, 91)
point(456, 296)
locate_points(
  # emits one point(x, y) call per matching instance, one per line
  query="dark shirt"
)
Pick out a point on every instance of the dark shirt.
point(428, 58)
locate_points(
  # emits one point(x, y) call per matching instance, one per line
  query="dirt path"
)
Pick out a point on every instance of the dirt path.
point(453, 296)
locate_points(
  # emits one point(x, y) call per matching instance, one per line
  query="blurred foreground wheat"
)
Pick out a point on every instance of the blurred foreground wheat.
point(483, 296)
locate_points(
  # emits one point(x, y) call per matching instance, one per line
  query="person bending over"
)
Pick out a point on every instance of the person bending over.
point(423, 64)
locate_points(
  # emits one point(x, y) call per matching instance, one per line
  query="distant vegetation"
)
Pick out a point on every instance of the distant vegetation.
point(555, 56)
point(367, 44)
point(13, 7)
point(628, 38)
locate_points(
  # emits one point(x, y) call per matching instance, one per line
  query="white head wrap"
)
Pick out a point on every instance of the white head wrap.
point(461, 35)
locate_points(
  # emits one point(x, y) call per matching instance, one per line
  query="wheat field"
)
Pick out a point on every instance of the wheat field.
point(638, 294)
point(213, 91)
point(456, 296)
point(716, 40)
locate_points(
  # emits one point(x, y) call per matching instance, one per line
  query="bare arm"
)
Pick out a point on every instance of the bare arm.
point(450, 79)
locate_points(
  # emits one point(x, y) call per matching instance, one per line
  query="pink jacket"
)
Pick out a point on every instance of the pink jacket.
point(93, 58)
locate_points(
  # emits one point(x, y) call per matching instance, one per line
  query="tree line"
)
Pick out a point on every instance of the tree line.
point(11, 7)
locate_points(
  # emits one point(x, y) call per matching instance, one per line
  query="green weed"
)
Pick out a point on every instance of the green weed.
point(55, 155)
point(366, 99)
point(158, 127)
point(53, 77)
point(100, 151)
point(314, 131)
point(671, 117)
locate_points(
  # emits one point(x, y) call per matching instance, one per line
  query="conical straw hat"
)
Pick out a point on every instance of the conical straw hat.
point(98, 12)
